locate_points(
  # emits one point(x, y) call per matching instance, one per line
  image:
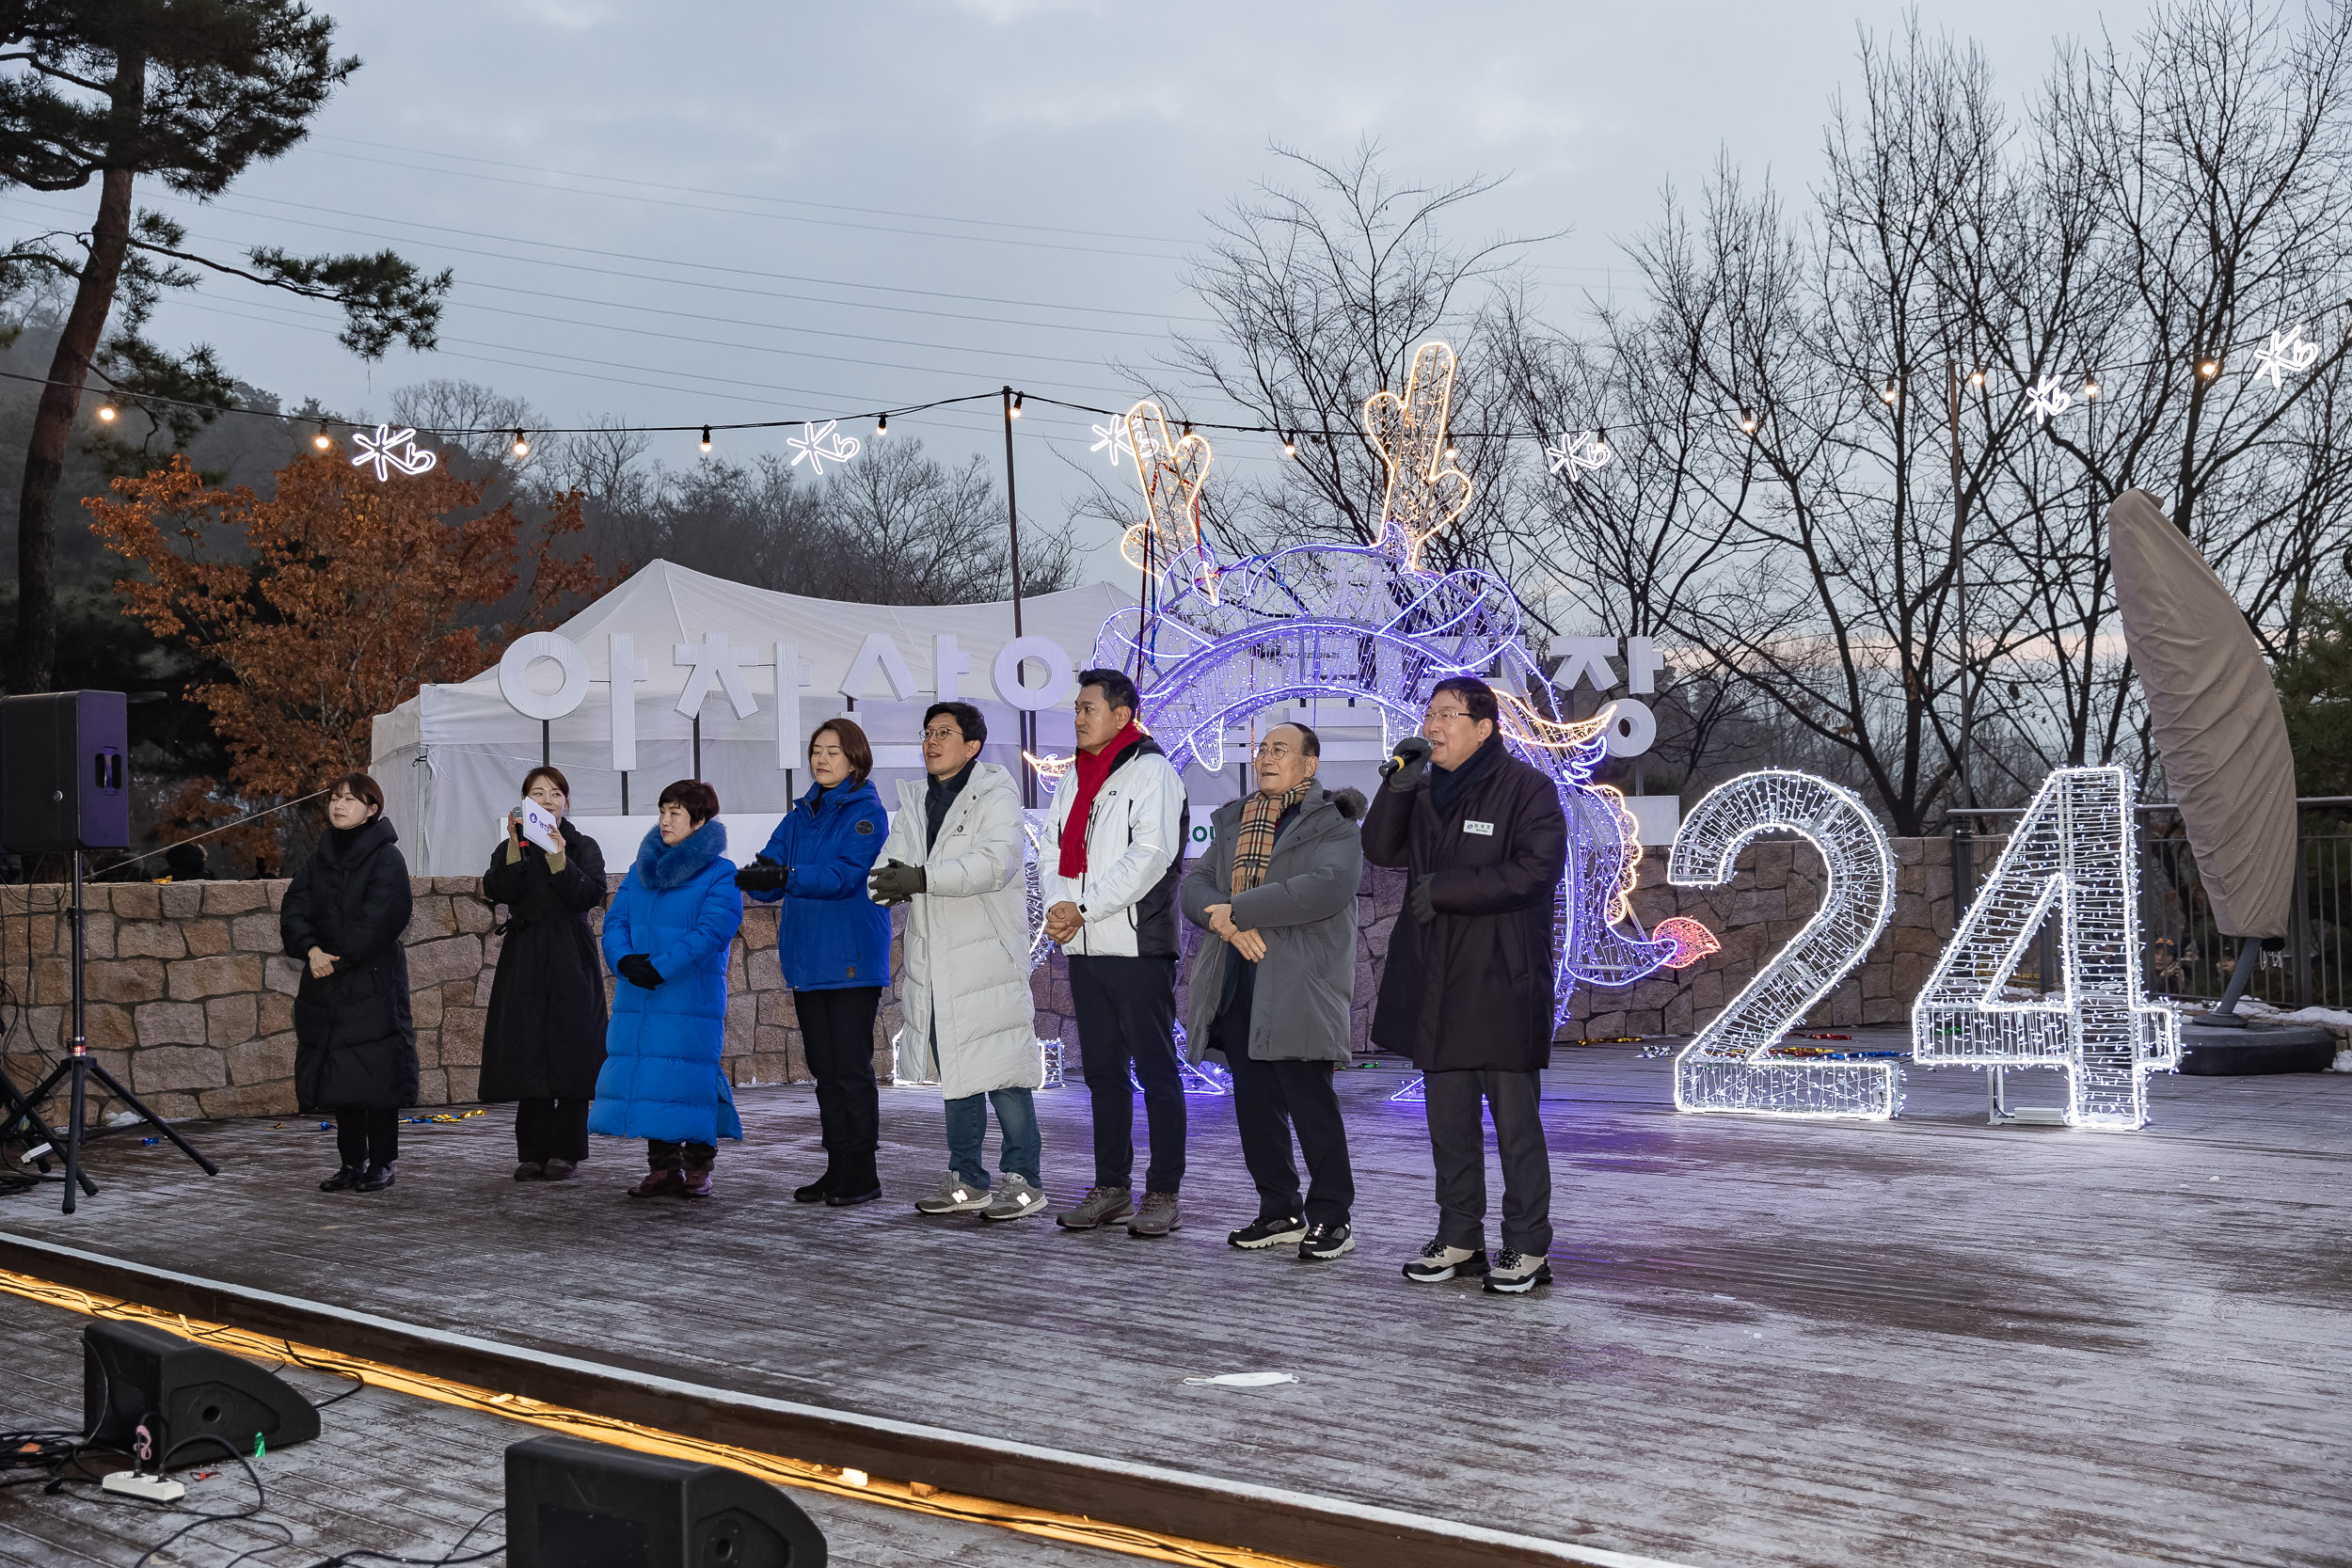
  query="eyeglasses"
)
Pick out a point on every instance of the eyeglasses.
point(1277, 750)
point(1447, 717)
point(950, 732)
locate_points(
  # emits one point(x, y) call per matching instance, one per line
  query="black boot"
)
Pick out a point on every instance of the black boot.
point(856, 1183)
point(822, 1190)
point(341, 1181)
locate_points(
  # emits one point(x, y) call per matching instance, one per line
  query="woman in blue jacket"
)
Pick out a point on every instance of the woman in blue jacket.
point(666, 935)
point(834, 943)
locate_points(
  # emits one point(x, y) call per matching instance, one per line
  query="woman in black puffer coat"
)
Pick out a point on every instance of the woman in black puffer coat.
point(354, 1049)
point(544, 1041)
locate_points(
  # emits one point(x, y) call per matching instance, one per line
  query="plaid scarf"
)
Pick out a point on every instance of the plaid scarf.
point(1253, 846)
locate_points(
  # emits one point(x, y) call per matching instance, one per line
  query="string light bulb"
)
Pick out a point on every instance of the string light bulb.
point(322, 440)
point(1290, 445)
point(2091, 389)
point(1452, 452)
point(106, 413)
point(1888, 393)
point(1975, 378)
point(1747, 422)
point(1016, 403)
point(1600, 444)
point(882, 427)
point(522, 446)
point(706, 437)
point(2209, 367)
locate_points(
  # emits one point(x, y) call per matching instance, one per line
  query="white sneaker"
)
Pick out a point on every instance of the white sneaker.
point(954, 1196)
point(1015, 1199)
point(1516, 1274)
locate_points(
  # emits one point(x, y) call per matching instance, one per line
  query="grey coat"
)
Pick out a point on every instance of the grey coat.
point(1305, 910)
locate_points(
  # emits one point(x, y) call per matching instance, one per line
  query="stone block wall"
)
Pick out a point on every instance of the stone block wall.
point(191, 1003)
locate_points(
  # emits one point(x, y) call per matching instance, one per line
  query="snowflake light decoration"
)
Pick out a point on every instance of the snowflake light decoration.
point(388, 450)
point(1577, 455)
point(2289, 354)
point(2075, 855)
point(1114, 441)
point(2048, 400)
point(822, 444)
point(1737, 1062)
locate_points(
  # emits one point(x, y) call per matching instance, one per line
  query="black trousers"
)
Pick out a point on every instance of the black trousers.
point(551, 1130)
point(1269, 1099)
point(1457, 1144)
point(669, 1156)
point(367, 1137)
point(1127, 1013)
point(837, 1036)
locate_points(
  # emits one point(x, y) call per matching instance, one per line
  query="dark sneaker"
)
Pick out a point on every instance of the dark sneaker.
point(1323, 1242)
point(1266, 1233)
point(374, 1179)
point(1515, 1273)
point(1157, 1217)
point(661, 1183)
point(1439, 1262)
point(559, 1170)
point(531, 1170)
point(341, 1181)
point(1101, 1206)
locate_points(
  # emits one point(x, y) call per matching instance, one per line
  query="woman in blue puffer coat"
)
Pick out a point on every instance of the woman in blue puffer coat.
point(666, 936)
point(834, 943)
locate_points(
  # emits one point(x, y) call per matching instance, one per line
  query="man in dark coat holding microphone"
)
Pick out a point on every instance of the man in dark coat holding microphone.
point(1468, 990)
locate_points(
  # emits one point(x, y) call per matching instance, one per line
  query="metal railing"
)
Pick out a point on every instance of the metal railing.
point(2184, 954)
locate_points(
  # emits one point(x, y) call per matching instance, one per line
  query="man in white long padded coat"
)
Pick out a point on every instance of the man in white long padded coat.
point(955, 850)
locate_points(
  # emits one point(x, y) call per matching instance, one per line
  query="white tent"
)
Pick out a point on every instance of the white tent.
point(704, 704)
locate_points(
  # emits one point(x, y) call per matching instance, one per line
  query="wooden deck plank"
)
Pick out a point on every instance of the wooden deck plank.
point(1925, 1341)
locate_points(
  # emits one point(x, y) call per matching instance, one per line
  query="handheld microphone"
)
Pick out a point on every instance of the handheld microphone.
point(1408, 750)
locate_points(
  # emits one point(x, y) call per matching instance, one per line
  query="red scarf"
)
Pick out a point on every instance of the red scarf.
point(1093, 767)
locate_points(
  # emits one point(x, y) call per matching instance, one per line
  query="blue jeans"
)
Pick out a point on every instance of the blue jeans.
point(1016, 1119)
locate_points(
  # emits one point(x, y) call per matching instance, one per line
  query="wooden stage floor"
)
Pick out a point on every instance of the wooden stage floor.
point(1924, 1341)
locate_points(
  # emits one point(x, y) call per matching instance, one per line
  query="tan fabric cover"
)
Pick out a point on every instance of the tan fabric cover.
point(2217, 722)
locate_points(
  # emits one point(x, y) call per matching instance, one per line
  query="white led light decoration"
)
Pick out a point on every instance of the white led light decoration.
point(1577, 455)
point(1426, 492)
point(2075, 854)
point(2048, 400)
point(821, 444)
point(1736, 1063)
point(388, 450)
point(2290, 354)
point(1113, 441)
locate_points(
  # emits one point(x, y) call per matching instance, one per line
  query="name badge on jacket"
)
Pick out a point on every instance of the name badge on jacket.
point(1484, 829)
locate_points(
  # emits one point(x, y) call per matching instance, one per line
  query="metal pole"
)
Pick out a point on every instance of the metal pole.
point(79, 1053)
point(1026, 726)
point(1960, 588)
point(2299, 934)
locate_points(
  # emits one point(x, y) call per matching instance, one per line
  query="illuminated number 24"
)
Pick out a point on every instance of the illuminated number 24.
point(2073, 855)
point(1736, 1063)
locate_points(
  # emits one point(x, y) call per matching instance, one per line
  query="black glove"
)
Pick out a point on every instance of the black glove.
point(1424, 905)
point(763, 875)
point(638, 970)
point(896, 882)
point(1404, 769)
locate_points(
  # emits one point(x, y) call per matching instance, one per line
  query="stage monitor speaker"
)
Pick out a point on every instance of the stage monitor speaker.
point(574, 1504)
point(64, 774)
point(132, 1374)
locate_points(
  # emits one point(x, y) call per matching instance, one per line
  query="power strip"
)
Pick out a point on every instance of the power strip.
point(138, 1484)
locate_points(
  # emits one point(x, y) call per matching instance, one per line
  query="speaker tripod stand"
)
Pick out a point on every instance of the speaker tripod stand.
point(75, 1072)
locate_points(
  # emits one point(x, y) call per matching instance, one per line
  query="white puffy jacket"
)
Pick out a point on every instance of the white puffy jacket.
point(967, 940)
point(1134, 856)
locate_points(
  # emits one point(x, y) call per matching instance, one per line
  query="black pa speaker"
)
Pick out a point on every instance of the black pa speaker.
point(134, 1375)
point(573, 1504)
point(64, 777)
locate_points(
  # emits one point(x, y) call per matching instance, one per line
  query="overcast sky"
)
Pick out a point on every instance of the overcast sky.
point(740, 211)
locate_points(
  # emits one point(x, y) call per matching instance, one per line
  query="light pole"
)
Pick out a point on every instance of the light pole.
point(1024, 727)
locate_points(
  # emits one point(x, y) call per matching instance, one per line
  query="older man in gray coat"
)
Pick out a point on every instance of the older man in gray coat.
point(1272, 985)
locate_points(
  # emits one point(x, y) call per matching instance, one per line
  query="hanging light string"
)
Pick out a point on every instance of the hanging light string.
point(2205, 366)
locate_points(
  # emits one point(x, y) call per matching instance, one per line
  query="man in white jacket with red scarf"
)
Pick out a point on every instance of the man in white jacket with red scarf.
point(1108, 864)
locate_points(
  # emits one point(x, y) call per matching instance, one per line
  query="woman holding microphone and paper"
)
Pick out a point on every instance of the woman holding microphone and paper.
point(544, 1040)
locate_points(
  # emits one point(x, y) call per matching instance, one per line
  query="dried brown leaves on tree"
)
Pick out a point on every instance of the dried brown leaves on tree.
point(330, 601)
